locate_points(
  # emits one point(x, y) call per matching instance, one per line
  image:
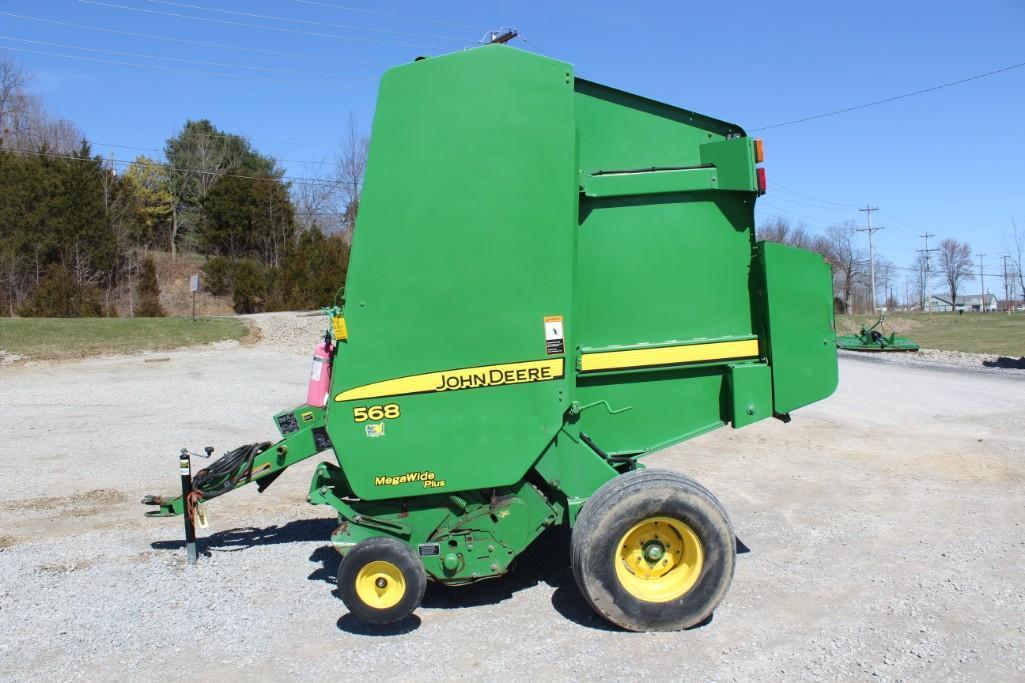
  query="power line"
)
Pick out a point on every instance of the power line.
point(905, 241)
point(184, 61)
point(787, 210)
point(198, 171)
point(98, 143)
point(110, 124)
point(388, 14)
point(892, 99)
point(186, 41)
point(301, 21)
point(791, 200)
point(535, 47)
point(777, 184)
point(279, 29)
point(171, 68)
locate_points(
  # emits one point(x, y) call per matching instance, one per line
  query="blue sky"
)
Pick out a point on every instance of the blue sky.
point(947, 162)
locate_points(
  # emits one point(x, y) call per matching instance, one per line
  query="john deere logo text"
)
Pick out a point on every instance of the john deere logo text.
point(471, 379)
point(429, 480)
point(458, 378)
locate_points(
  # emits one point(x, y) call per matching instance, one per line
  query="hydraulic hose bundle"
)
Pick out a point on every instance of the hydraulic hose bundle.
point(230, 470)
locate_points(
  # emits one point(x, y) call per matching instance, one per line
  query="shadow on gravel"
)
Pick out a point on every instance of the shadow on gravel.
point(545, 561)
point(234, 540)
point(329, 559)
point(1006, 363)
point(351, 624)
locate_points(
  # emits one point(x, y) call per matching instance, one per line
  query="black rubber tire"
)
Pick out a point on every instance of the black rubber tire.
point(387, 549)
point(627, 500)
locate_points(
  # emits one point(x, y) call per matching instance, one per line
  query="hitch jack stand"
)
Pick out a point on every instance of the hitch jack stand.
point(185, 467)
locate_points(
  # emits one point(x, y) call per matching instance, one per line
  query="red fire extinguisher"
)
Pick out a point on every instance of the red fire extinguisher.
point(320, 376)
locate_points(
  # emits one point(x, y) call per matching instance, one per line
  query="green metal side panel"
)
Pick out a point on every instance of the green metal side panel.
point(750, 393)
point(798, 307)
point(665, 406)
point(464, 245)
point(663, 257)
point(657, 267)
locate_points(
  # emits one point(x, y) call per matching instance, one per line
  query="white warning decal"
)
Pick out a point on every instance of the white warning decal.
point(554, 342)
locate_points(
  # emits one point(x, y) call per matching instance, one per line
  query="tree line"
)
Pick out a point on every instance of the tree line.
point(950, 267)
point(76, 234)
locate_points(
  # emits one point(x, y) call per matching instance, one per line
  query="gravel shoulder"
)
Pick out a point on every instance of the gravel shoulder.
point(943, 360)
point(882, 535)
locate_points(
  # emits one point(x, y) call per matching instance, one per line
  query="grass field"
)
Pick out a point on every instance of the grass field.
point(995, 333)
point(59, 338)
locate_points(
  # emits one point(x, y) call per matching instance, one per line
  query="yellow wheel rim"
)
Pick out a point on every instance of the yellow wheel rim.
point(659, 559)
point(380, 584)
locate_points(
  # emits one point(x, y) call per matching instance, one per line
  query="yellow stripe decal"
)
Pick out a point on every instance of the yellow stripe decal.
point(669, 355)
point(460, 378)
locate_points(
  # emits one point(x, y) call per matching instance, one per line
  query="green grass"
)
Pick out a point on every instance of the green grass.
point(995, 333)
point(60, 338)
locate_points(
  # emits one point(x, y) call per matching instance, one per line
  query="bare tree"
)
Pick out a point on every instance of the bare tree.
point(12, 84)
point(317, 205)
point(847, 259)
point(779, 229)
point(886, 280)
point(25, 125)
point(955, 266)
point(350, 167)
point(1015, 245)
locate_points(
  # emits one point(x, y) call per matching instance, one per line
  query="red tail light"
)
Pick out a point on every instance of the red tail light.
point(761, 180)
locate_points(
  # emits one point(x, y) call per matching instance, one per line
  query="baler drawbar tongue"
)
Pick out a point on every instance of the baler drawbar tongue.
point(227, 473)
point(169, 507)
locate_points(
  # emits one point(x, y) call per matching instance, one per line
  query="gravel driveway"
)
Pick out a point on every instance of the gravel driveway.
point(882, 532)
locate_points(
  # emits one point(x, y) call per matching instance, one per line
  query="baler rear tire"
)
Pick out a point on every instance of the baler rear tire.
point(381, 580)
point(696, 540)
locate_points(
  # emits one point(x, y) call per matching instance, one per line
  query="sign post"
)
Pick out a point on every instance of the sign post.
point(194, 287)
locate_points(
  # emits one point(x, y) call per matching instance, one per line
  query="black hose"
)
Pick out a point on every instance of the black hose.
point(229, 471)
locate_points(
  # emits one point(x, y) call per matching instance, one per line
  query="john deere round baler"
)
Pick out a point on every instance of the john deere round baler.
point(550, 279)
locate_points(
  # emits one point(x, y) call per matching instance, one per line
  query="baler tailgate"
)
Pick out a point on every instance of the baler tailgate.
point(797, 287)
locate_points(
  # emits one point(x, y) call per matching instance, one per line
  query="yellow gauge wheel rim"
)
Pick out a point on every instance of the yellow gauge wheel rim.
point(380, 584)
point(659, 559)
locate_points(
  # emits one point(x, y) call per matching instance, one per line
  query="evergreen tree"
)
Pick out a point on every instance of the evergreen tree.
point(149, 292)
point(59, 296)
point(247, 218)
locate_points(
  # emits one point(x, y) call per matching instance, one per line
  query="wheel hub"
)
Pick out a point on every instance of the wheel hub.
point(653, 551)
point(659, 559)
point(380, 584)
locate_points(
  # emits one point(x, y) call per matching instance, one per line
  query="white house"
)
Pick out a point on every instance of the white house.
point(940, 303)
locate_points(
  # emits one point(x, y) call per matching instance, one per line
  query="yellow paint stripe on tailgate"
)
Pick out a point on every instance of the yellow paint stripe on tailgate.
point(669, 355)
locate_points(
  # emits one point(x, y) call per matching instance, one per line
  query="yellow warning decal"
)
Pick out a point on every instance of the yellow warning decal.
point(461, 378)
point(669, 355)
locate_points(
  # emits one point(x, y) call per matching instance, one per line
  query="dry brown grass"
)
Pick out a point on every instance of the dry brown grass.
point(173, 276)
point(993, 333)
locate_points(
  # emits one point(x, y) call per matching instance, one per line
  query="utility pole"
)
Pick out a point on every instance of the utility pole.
point(982, 284)
point(1007, 293)
point(871, 254)
point(926, 251)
